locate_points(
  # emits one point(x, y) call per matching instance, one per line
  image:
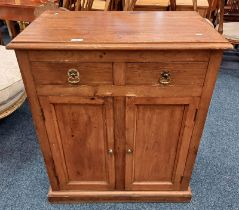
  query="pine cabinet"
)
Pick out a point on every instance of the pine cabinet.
point(119, 110)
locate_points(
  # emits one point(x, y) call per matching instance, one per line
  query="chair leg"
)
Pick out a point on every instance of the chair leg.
point(107, 5)
point(11, 28)
point(78, 5)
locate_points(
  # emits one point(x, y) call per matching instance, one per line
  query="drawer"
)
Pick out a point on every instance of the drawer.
point(174, 73)
point(52, 73)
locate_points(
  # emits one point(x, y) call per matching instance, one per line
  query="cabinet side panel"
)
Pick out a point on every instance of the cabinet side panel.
point(24, 64)
point(213, 67)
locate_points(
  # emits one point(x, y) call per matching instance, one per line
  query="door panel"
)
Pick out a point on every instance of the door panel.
point(157, 145)
point(80, 131)
point(158, 132)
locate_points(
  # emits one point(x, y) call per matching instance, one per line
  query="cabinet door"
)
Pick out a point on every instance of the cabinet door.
point(80, 132)
point(158, 133)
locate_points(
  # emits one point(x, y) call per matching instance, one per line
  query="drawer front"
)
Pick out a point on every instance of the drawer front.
point(179, 73)
point(51, 73)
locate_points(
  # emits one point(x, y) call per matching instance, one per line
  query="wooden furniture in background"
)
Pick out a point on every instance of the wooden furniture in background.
point(152, 5)
point(129, 5)
point(49, 5)
point(148, 5)
point(162, 5)
point(83, 5)
point(212, 10)
point(100, 5)
point(21, 10)
point(87, 5)
point(230, 30)
point(120, 109)
point(18, 10)
point(231, 11)
point(216, 14)
point(13, 10)
point(187, 5)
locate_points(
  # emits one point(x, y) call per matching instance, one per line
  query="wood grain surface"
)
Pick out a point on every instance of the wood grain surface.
point(81, 148)
point(56, 73)
point(119, 134)
point(158, 132)
point(120, 30)
point(180, 73)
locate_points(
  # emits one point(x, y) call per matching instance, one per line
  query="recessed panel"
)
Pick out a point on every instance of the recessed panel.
point(83, 138)
point(157, 131)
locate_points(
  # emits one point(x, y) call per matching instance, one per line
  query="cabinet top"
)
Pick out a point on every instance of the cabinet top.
point(119, 30)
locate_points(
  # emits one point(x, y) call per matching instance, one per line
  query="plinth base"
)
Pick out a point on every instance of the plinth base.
point(119, 196)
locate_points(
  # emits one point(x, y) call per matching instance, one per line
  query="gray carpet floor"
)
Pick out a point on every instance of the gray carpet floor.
point(215, 180)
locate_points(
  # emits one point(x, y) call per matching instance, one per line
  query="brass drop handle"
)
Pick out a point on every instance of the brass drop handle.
point(110, 151)
point(129, 151)
point(73, 76)
point(165, 78)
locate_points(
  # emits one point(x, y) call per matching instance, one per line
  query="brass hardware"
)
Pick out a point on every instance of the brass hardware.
point(165, 78)
point(110, 151)
point(73, 76)
point(129, 151)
